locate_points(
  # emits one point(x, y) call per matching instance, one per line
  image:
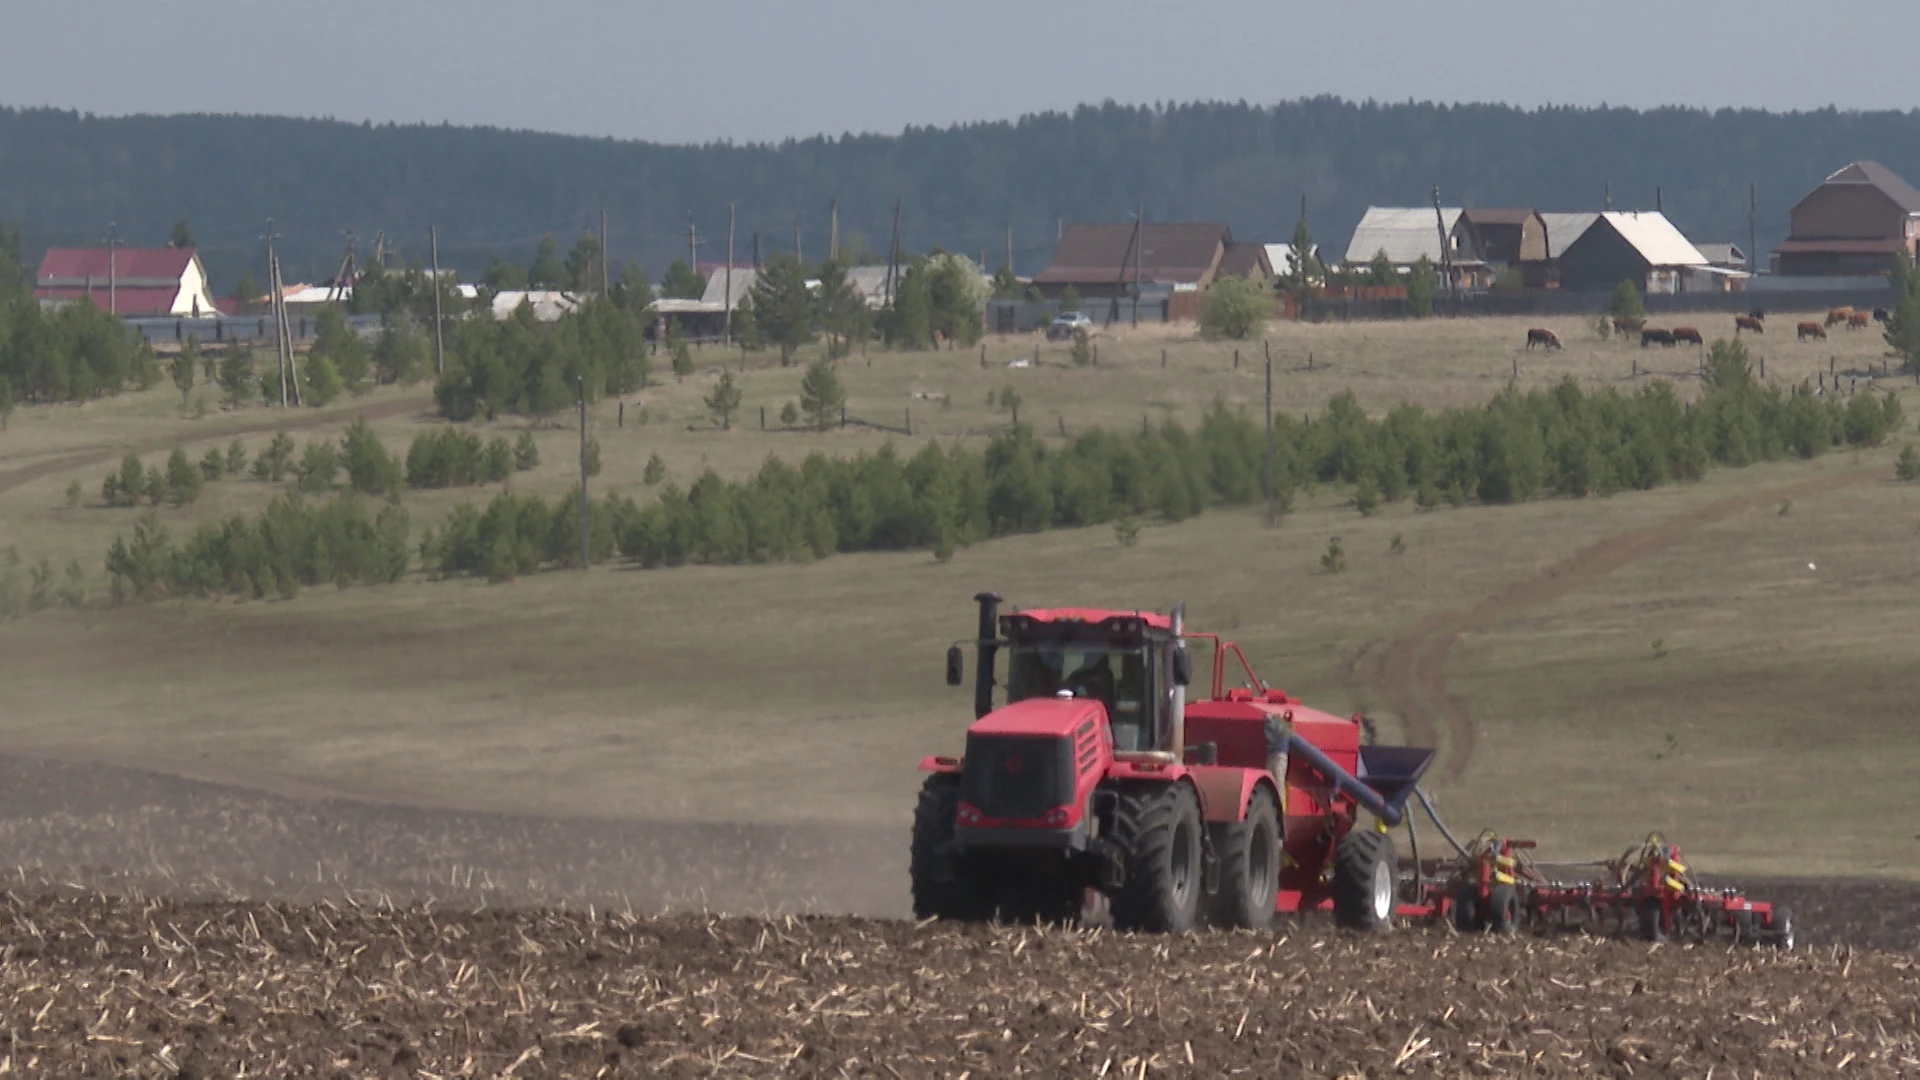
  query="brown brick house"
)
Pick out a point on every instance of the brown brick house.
point(1856, 222)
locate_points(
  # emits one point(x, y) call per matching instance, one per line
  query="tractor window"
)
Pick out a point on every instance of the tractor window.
point(1118, 677)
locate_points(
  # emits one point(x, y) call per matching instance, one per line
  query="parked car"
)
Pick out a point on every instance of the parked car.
point(1069, 322)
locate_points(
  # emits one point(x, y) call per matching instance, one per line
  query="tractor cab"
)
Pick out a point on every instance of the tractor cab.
point(1130, 662)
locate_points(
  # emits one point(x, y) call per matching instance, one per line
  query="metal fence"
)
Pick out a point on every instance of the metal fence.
point(1553, 302)
point(231, 329)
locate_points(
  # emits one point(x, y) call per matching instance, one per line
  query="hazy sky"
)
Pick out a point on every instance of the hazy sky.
point(694, 70)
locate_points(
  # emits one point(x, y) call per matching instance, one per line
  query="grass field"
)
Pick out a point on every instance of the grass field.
point(1763, 734)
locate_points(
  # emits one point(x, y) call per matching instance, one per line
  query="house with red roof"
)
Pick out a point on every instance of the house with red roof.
point(132, 282)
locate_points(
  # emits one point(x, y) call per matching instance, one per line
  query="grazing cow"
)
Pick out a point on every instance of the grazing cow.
point(1880, 315)
point(1660, 337)
point(1546, 339)
point(1748, 322)
point(1758, 314)
point(1623, 325)
point(1687, 334)
point(1857, 321)
point(1811, 330)
point(1839, 315)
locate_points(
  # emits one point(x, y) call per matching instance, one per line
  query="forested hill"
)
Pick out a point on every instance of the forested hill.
point(64, 177)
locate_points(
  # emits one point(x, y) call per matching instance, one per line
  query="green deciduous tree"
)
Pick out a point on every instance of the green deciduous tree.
point(336, 343)
point(1235, 308)
point(1381, 272)
point(547, 271)
point(236, 376)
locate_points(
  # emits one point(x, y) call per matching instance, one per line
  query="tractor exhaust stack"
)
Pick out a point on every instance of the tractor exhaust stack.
point(987, 645)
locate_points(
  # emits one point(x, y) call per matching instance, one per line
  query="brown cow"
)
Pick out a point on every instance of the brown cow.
point(1748, 322)
point(1624, 325)
point(1544, 338)
point(1687, 334)
point(1653, 336)
point(1811, 330)
point(1858, 320)
point(1839, 315)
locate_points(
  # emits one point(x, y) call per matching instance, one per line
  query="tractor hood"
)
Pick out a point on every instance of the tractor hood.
point(1041, 717)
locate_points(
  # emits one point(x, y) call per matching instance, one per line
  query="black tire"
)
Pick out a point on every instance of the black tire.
point(942, 886)
point(1249, 866)
point(1157, 828)
point(1503, 909)
point(1650, 928)
point(1782, 937)
point(1466, 909)
point(1366, 879)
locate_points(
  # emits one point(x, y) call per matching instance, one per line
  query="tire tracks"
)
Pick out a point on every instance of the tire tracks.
point(103, 453)
point(1412, 675)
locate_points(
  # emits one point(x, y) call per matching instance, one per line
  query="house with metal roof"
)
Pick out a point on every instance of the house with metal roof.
point(126, 281)
point(1856, 222)
point(1625, 245)
point(1103, 260)
point(1407, 234)
point(1280, 258)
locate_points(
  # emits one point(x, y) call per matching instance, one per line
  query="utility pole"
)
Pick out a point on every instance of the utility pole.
point(1446, 249)
point(273, 308)
point(1659, 201)
point(606, 264)
point(343, 276)
point(727, 329)
point(797, 257)
point(756, 250)
point(1010, 246)
point(113, 276)
point(1267, 472)
point(893, 253)
point(439, 345)
point(1753, 241)
point(1140, 236)
point(833, 229)
point(693, 247)
point(581, 382)
point(1607, 191)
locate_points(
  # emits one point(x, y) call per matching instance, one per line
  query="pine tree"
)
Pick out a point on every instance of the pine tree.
point(724, 401)
point(782, 306)
point(822, 398)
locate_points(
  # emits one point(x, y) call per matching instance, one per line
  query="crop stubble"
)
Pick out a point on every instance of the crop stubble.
point(93, 985)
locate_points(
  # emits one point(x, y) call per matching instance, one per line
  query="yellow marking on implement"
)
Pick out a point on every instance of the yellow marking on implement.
point(1676, 884)
point(1504, 879)
point(1674, 867)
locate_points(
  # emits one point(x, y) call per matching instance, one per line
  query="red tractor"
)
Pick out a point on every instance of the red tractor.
point(1095, 783)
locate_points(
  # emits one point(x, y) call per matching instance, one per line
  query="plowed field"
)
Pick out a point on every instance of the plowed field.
point(95, 986)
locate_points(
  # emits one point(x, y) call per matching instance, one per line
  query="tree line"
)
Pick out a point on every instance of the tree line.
point(959, 186)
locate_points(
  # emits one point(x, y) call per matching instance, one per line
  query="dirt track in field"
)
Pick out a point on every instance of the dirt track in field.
point(290, 421)
point(1411, 672)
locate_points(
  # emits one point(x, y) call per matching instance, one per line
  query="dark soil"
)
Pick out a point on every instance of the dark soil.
point(97, 986)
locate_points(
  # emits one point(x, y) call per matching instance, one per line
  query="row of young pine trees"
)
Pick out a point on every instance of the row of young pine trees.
point(1565, 441)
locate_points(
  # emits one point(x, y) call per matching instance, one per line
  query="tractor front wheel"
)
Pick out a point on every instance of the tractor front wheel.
point(1157, 828)
point(1249, 866)
point(942, 886)
point(1366, 875)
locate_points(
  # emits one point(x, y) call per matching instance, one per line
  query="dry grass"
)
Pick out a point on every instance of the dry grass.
point(772, 693)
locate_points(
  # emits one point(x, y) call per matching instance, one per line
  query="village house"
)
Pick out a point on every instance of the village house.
point(1408, 234)
point(1856, 222)
point(1625, 245)
point(1168, 268)
point(132, 282)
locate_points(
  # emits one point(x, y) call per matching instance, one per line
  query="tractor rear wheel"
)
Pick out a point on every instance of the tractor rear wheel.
point(1366, 875)
point(942, 886)
point(1157, 828)
point(1249, 866)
